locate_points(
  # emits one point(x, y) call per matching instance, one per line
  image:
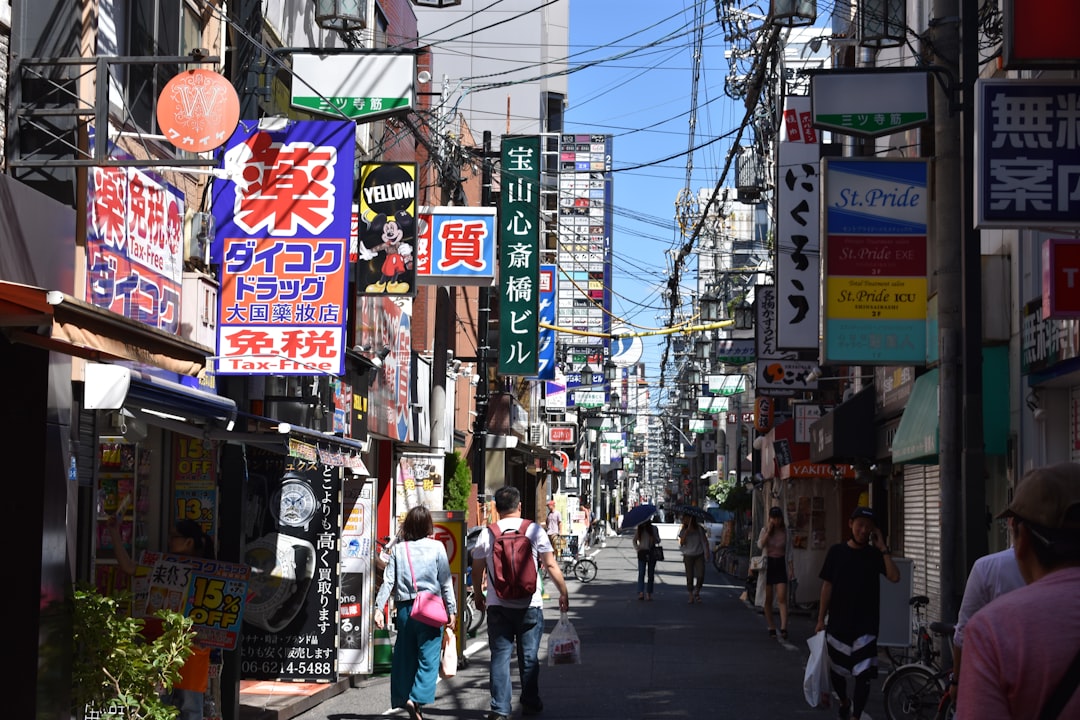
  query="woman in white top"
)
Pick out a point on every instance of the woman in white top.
point(692, 544)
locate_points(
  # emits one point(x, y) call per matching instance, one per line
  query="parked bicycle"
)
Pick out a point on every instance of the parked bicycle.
point(583, 568)
point(918, 690)
point(921, 649)
point(794, 603)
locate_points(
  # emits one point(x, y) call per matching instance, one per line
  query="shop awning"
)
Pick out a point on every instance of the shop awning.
point(296, 441)
point(916, 439)
point(111, 387)
point(846, 432)
point(58, 322)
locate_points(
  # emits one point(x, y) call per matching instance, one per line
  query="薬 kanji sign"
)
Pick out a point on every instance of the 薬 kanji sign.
point(283, 220)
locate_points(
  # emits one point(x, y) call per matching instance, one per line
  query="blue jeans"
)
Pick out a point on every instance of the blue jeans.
point(508, 628)
point(414, 666)
point(645, 563)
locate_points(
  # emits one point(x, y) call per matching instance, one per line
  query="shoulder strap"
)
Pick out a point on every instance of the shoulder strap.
point(496, 531)
point(1064, 690)
point(525, 522)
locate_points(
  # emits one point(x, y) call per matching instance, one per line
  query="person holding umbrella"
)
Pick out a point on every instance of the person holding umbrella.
point(646, 540)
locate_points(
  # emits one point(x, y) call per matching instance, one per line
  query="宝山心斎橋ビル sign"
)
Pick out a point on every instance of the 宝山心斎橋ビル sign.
point(519, 256)
point(283, 217)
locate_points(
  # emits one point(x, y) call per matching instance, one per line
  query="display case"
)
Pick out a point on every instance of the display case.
point(122, 477)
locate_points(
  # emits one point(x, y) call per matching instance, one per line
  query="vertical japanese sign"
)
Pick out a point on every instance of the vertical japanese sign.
point(134, 245)
point(546, 340)
point(357, 578)
point(798, 252)
point(1027, 154)
point(387, 230)
point(283, 220)
point(875, 267)
point(519, 256)
point(779, 372)
point(291, 617)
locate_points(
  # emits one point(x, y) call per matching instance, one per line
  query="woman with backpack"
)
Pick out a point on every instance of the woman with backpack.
point(417, 563)
point(646, 540)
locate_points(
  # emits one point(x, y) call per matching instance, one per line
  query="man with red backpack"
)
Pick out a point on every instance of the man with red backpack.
point(510, 555)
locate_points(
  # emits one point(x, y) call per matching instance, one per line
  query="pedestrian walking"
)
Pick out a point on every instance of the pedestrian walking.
point(553, 524)
point(850, 598)
point(417, 563)
point(1022, 651)
point(773, 544)
point(991, 576)
point(646, 540)
point(692, 544)
point(515, 612)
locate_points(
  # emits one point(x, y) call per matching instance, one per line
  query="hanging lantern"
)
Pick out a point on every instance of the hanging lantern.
point(341, 15)
point(744, 316)
point(794, 13)
point(882, 23)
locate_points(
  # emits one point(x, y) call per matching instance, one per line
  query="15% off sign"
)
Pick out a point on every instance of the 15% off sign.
point(209, 592)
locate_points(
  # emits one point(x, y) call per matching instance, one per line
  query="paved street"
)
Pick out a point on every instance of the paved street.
point(660, 659)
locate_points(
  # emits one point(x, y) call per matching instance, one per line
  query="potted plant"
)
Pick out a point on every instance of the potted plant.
point(117, 670)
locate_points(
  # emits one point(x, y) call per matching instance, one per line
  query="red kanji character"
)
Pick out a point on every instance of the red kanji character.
point(463, 242)
point(285, 186)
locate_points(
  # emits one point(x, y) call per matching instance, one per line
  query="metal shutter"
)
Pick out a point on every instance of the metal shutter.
point(922, 532)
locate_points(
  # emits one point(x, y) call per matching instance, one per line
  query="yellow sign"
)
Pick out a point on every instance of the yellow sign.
point(876, 298)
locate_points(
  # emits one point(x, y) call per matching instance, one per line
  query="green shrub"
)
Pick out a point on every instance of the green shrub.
point(458, 482)
point(117, 670)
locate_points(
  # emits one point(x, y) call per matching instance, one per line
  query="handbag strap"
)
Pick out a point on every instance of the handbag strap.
point(408, 556)
point(1064, 690)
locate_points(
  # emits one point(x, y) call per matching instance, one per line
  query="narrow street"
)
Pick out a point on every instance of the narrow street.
point(660, 659)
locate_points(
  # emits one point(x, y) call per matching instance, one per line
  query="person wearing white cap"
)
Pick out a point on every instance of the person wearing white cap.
point(1022, 651)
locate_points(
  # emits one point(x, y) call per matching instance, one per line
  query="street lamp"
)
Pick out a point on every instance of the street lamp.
point(882, 23)
point(793, 13)
point(744, 315)
point(341, 15)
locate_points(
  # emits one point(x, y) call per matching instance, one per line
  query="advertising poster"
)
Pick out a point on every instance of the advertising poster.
point(357, 579)
point(420, 481)
point(384, 325)
point(283, 229)
point(135, 245)
point(387, 230)
point(293, 516)
point(210, 592)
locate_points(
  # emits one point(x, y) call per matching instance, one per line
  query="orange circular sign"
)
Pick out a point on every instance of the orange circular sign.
point(198, 110)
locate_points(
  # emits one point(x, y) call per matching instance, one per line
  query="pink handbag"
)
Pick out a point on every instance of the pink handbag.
point(427, 607)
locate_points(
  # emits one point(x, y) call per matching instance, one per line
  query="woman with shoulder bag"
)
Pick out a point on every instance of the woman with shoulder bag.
point(418, 566)
point(646, 540)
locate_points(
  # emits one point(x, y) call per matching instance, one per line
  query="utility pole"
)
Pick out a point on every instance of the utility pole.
point(483, 339)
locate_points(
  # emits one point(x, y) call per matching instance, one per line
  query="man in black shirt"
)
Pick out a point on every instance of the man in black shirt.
point(851, 595)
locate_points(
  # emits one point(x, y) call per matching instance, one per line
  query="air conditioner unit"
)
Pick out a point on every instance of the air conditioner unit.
point(200, 235)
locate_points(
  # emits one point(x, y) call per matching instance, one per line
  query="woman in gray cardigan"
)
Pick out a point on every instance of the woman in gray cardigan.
point(418, 562)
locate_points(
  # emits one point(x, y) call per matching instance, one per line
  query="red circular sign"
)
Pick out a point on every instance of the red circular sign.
point(585, 467)
point(198, 110)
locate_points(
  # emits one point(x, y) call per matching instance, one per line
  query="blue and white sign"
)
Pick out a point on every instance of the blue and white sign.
point(1027, 151)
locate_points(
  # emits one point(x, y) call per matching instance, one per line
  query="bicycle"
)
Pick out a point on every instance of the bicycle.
point(793, 594)
point(921, 649)
point(918, 691)
point(583, 568)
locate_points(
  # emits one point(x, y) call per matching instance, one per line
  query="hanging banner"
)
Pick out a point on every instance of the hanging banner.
point(420, 481)
point(134, 244)
point(387, 230)
point(798, 246)
point(282, 239)
point(290, 628)
point(355, 620)
point(546, 341)
point(778, 372)
point(519, 256)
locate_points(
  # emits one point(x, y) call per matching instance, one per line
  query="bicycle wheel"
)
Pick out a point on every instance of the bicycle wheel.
point(475, 617)
point(585, 570)
point(912, 692)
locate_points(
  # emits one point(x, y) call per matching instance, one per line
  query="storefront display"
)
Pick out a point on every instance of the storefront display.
point(123, 472)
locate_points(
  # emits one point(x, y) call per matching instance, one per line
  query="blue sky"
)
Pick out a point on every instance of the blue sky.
point(644, 101)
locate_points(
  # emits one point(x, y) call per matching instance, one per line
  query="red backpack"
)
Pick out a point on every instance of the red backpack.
point(514, 575)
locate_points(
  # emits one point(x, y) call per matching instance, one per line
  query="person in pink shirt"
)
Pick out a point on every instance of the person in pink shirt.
point(1018, 648)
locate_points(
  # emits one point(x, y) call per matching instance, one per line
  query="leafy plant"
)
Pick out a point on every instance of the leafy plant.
point(117, 670)
point(459, 482)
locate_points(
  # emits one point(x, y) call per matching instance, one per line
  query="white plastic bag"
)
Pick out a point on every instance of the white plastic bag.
point(564, 647)
point(448, 660)
point(816, 683)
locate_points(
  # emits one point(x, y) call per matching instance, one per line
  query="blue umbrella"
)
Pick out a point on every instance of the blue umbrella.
point(637, 515)
point(693, 511)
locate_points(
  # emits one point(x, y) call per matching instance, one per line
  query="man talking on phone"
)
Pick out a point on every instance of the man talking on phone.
point(850, 598)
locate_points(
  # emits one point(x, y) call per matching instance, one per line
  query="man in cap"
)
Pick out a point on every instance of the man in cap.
point(1022, 651)
point(851, 595)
